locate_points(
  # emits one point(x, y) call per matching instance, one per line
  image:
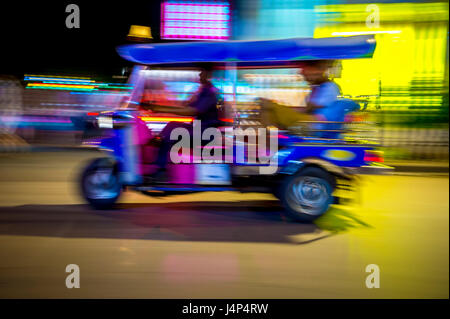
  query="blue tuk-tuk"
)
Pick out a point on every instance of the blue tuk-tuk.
point(303, 171)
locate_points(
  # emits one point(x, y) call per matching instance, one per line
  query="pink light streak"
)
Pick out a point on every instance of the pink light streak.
point(205, 28)
point(194, 12)
point(198, 20)
point(187, 36)
point(196, 5)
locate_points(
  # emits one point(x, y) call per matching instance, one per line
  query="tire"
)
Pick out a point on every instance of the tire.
point(100, 185)
point(307, 195)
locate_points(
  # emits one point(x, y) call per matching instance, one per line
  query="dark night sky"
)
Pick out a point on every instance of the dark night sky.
point(35, 39)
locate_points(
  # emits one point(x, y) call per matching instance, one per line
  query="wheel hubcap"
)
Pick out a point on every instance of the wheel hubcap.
point(101, 184)
point(308, 194)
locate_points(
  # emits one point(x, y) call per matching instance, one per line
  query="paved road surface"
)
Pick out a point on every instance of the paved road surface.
point(216, 245)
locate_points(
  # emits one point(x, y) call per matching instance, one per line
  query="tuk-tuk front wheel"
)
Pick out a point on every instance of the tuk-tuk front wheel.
point(100, 183)
point(307, 194)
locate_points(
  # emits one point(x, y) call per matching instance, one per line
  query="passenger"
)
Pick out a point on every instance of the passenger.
point(202, 106)
point(324, 92)
point(324, 102)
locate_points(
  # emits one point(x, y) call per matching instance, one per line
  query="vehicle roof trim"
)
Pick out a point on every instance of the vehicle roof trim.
point(241, 53)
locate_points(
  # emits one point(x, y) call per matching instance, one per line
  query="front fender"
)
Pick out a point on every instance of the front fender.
point(108, 144)
point(292, 167)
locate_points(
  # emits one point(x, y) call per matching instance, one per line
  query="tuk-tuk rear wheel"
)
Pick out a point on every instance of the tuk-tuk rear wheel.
point(307, 195)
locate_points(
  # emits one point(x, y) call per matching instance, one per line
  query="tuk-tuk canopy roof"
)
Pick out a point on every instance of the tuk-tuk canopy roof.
point(265, 52)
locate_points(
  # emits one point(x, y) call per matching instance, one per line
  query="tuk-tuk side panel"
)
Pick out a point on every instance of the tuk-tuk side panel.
point(113, 145)
point(343, 156)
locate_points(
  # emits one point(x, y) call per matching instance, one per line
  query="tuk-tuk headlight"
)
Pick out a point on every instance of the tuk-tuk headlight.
point(105, 122)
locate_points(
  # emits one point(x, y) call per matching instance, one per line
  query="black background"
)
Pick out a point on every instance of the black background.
point(278, 308)
point(35, 39)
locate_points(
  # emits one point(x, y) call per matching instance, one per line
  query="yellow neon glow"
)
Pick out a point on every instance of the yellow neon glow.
point(411, 48)
point(365, 32)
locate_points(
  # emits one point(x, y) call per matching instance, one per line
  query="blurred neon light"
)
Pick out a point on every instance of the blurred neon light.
point(57, 88)
point(46, 85)
point(201, 4)
point(73, 104)
point(195, 20)
point(172, 73)
point(27, 78)
point(165, 119)
point(202, 28)
point(102, 85)
point(119, 87)
point(70, 83)
point(74, 80)
point(99, 93)
point(54, 82)
point(56, 76)
point(36, 119)
point(366, 32)
point(156, 127)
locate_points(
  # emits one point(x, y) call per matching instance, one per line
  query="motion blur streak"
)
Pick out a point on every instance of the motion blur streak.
point(227, 245)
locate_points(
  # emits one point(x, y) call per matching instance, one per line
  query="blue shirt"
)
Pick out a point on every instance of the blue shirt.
point(324, 94)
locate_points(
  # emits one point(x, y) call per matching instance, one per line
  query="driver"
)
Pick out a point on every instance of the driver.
point(202, 106)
